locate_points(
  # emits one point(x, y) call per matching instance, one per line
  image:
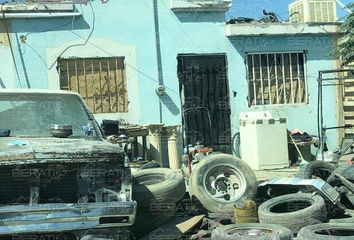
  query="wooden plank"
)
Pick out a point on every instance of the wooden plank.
point(188, 225)
point(122, 86)
point(349, 121)
point(100, 81)
point(348, 131)
point(348, 104)
point(348, 114)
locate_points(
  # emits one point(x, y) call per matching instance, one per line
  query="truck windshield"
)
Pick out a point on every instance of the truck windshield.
point(31, 114)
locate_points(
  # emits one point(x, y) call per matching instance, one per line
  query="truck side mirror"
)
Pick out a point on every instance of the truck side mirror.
point(110, 127)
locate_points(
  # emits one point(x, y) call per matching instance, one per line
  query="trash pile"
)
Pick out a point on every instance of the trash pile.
point(225, 201)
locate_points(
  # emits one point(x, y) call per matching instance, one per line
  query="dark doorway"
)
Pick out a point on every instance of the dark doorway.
point(205, 100)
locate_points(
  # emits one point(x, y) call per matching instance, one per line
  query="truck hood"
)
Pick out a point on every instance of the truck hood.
point(37, 149)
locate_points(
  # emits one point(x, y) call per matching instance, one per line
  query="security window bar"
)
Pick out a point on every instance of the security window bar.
point(100, 81)
point(276, 78)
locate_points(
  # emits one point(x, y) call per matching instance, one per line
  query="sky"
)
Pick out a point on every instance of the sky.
point(253, 8)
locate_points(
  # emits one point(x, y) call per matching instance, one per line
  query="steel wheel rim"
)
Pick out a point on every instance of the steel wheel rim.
point(251, 232)
point(224, 183)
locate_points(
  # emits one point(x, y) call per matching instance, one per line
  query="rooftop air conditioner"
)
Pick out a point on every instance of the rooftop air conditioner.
point(313, 11)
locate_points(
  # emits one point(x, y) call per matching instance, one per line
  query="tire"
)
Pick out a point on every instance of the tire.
point(293, 211)
point(251, 231)
point(349, 218)
point(117, 233)
point(158, 185)
point(152, 164)
point(327, 231)
point(146, 222)
point(316, 169)
point(221, 181)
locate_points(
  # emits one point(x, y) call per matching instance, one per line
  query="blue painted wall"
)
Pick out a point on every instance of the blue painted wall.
point(318, 50)
point(127, 27)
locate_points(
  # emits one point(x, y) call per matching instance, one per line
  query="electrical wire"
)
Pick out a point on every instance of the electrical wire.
point(58, 27)
point(182, 30)
point(81, 44)
point(235, 144)
point(37, 53)
point(10, 44)
point(129, 65)
point(24, 38)
point(87, 40)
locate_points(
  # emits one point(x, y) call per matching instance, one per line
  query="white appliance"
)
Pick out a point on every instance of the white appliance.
point(263, 140)
point(313, 11)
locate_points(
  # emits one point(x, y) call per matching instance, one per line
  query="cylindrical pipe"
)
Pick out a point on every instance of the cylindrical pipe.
point(173, 153)
point(158, 52)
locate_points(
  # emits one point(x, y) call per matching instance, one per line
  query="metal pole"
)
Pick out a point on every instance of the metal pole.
point(321, 117)
point(158, 51)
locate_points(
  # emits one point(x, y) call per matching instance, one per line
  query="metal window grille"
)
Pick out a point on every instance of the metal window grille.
point(276, 78)
point(100, 81)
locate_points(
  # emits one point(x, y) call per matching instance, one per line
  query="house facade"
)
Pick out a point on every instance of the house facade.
point(172, 62)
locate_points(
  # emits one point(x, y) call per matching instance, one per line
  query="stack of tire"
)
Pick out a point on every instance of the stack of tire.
point(293, 211)
point(261, 231)
point(279, 217)
point(156, 192)
point(300, 214)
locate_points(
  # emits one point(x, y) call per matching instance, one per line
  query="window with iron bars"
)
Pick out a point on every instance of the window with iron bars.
point(276, 78)
point(100, 81)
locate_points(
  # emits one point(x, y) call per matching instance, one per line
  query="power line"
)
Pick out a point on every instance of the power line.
point(129, 65)
point(87, 39)
point(37, 53)
point(182, 30)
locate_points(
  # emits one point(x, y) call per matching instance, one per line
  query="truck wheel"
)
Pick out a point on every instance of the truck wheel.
point(327, 231)
point(158, 185)
point(316, 169)
point(251, 231)
point(220, 181)
point(293, 211)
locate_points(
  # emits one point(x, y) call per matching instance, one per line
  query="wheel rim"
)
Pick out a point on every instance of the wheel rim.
point(251, 232)
point(224, 183)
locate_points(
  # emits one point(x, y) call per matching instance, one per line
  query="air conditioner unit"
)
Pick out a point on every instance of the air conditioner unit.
point(313, 11)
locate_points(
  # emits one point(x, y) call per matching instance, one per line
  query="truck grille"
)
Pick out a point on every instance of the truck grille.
point(51, 183)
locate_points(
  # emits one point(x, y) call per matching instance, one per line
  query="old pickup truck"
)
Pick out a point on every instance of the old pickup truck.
point(57, 172)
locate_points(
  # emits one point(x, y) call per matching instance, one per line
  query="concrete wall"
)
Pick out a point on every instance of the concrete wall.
point(318, 50)
point(126, 28)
